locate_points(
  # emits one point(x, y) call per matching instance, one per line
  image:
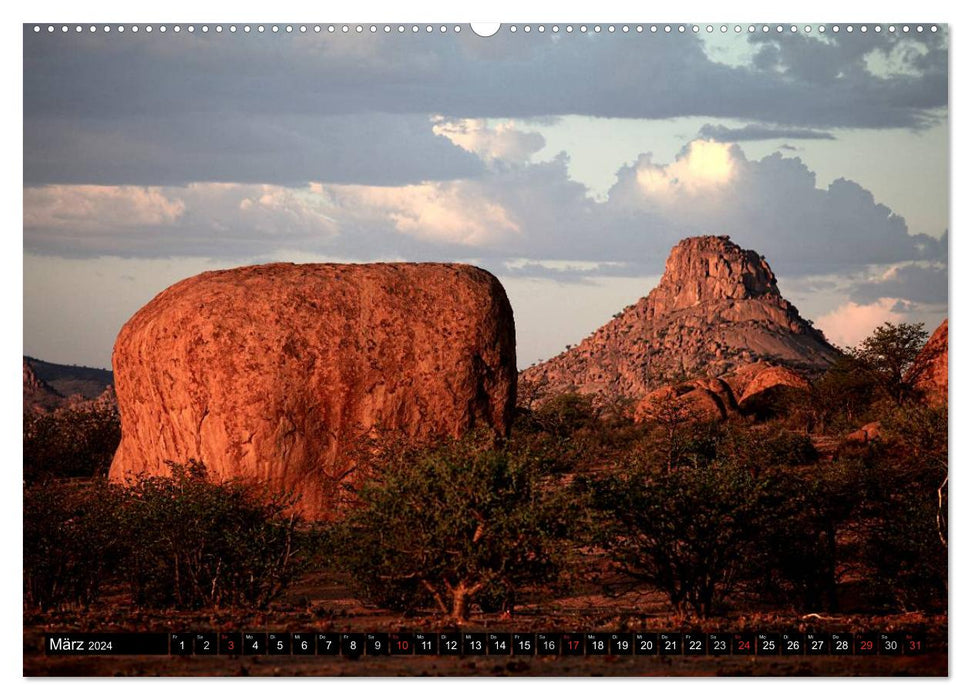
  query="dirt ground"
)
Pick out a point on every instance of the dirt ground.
point(322, 603)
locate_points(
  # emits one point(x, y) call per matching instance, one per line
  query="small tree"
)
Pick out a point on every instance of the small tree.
point(676, 426)
point(843, 394)
point(796, 551)
point(907, 544)
point(564, 414)
point(889, 352)
point(686, 531)
point(453, 525)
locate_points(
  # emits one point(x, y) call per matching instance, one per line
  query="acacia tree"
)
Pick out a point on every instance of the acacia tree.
point(676, 424)
point(889, 352)
point(452, 525)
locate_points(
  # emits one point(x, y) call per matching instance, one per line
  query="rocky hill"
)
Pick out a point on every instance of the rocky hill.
point(38, 394)
point(67, 380)
point(48, 386)
point(717, 308)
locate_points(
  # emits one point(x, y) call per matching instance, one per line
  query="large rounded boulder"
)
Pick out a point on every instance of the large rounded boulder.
point(768, 390)
point(700, 400)
point(276, 373)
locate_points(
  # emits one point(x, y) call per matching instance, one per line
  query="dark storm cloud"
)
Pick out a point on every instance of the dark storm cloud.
point(286, 149)
point(923, 284)
point(164, 109)
point(758, 132)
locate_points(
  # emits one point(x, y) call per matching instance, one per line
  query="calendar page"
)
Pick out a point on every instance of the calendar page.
point(449, 349)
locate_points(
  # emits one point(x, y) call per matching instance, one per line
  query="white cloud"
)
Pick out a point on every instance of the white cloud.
point(850, 323)
point(280, 209)
point(454, 212)
point(502, 142)
point(84, 208)
point(703, 166)
point(901, 59)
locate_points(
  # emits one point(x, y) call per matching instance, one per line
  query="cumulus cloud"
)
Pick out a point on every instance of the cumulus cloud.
point(850, 323)
point(903, 58)
point(200, 219)
point(92, 208)
point(503, 142)
point(702, 167)
point(532, 210)
point(437, 212)
point(773, 205)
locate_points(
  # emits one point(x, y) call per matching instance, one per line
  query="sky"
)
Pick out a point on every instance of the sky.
point(568, 164)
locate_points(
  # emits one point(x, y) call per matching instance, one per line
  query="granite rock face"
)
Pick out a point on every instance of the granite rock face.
point(928, 374)
point(717, 308)
point(274, 373)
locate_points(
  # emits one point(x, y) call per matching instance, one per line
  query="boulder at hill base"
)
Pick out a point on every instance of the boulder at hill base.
point(716, 309)
point(274, 373)
point(928, 374)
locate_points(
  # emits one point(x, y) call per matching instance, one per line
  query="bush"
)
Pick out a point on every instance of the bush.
point(73, 543)
point(174, 541)
point(907, 553)
point(194, 543)
point(71, 442)
point(685, 531)
point(565, 414)
point(796, 554)
point(906, 543)
point(454, 525)
point(841, 397)
point(754, 447)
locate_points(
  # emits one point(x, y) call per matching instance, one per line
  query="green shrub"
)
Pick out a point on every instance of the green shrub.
point(170, 541)
point(565, 414)
point(908, 553)
point(787, 448)
point(686, 531)
point(73, 543)
point(194, 543)
point(72, 441)
point(795, 555)
point(763, 446)
point(452, 526)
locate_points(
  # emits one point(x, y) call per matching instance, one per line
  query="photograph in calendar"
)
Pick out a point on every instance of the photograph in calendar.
point(451, 350)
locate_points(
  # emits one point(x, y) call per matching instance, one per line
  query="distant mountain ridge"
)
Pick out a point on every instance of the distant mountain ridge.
point(48, 385)
point(717, 308)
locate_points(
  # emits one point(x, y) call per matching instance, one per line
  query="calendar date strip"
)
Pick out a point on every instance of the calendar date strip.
point(371, 644)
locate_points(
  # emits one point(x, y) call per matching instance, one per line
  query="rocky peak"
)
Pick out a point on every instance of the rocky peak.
point(717, 308)
point(710, 268)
